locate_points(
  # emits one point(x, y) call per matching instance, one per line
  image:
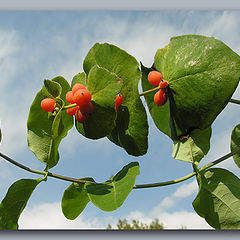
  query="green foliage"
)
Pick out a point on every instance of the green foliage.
point(45, 131)
point(235, 143)
point(103, 86)
point(131, 129)
point(194, 148)
point(53, 88)
point(202, 73)
point(75, 199)
point(15, 201)
point(218, 200)
point(111, 194)
point(137, 225)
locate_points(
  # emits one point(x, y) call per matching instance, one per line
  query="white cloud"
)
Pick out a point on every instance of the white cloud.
point(185, 190)
point(49, 216)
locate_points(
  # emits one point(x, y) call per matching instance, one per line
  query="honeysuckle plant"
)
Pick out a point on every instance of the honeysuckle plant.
point(198, 76)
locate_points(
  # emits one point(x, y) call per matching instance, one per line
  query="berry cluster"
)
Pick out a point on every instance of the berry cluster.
point(82, 97)
point(156, 79)
point(79, 96)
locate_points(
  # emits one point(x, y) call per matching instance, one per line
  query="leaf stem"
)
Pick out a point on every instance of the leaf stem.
point(234, 101)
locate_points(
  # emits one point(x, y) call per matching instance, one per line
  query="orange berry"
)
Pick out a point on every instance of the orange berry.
point(87, 108)
point(48, 104)
point(118, 101)
point(82, 118)
point(82, 97)
point(154, 77)
point(72, 111)
point(163, 84)
point(160, 97)
point(77, 87)
point(69, 97)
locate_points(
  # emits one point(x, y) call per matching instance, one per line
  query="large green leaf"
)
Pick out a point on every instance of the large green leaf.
point(111, 194)
point(75, 199)
point(131, 129)
point(45, 131)
point(235, 143)
point(218, 200)
point(103, 86)
point(194, 148)
point(15, 201)
point(203, 73)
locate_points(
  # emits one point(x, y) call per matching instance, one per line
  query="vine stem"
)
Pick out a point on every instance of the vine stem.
point(189, 175)
point(70, 179)
point(43, 172)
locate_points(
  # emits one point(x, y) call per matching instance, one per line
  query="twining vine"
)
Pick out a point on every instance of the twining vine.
point(189, 84)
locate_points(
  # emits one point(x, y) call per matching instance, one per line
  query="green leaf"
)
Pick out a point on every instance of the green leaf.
point(235, 143)
point(218, 200)
point(202, 73)
point(53, 88)
point(111, 194)
point(75, 199)
point(79, 78)
point(45, 131)
point(194, 148)
point(103, 86)
point(15, 201)
point(131, 129)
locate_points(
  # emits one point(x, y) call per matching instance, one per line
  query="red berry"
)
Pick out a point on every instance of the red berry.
point(118, 101)
point(82, 97)
point(154, 77)
point(69, 97)
point(86, 109)
point(72, 111)
point(160, 97)
point(82, 118)
point(48, 104)
point(163, 84)
point(77, 87)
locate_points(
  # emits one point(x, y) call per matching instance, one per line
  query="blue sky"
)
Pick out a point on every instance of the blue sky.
point(43, 44)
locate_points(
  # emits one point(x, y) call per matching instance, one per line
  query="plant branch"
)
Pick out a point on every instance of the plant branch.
point(189, 175)
point(70, 179)
point(43, 172)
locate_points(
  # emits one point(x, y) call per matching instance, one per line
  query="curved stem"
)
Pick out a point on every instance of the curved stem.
point(45, 173)
point(189, 175)
point(70, 179)
point(234, 101)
